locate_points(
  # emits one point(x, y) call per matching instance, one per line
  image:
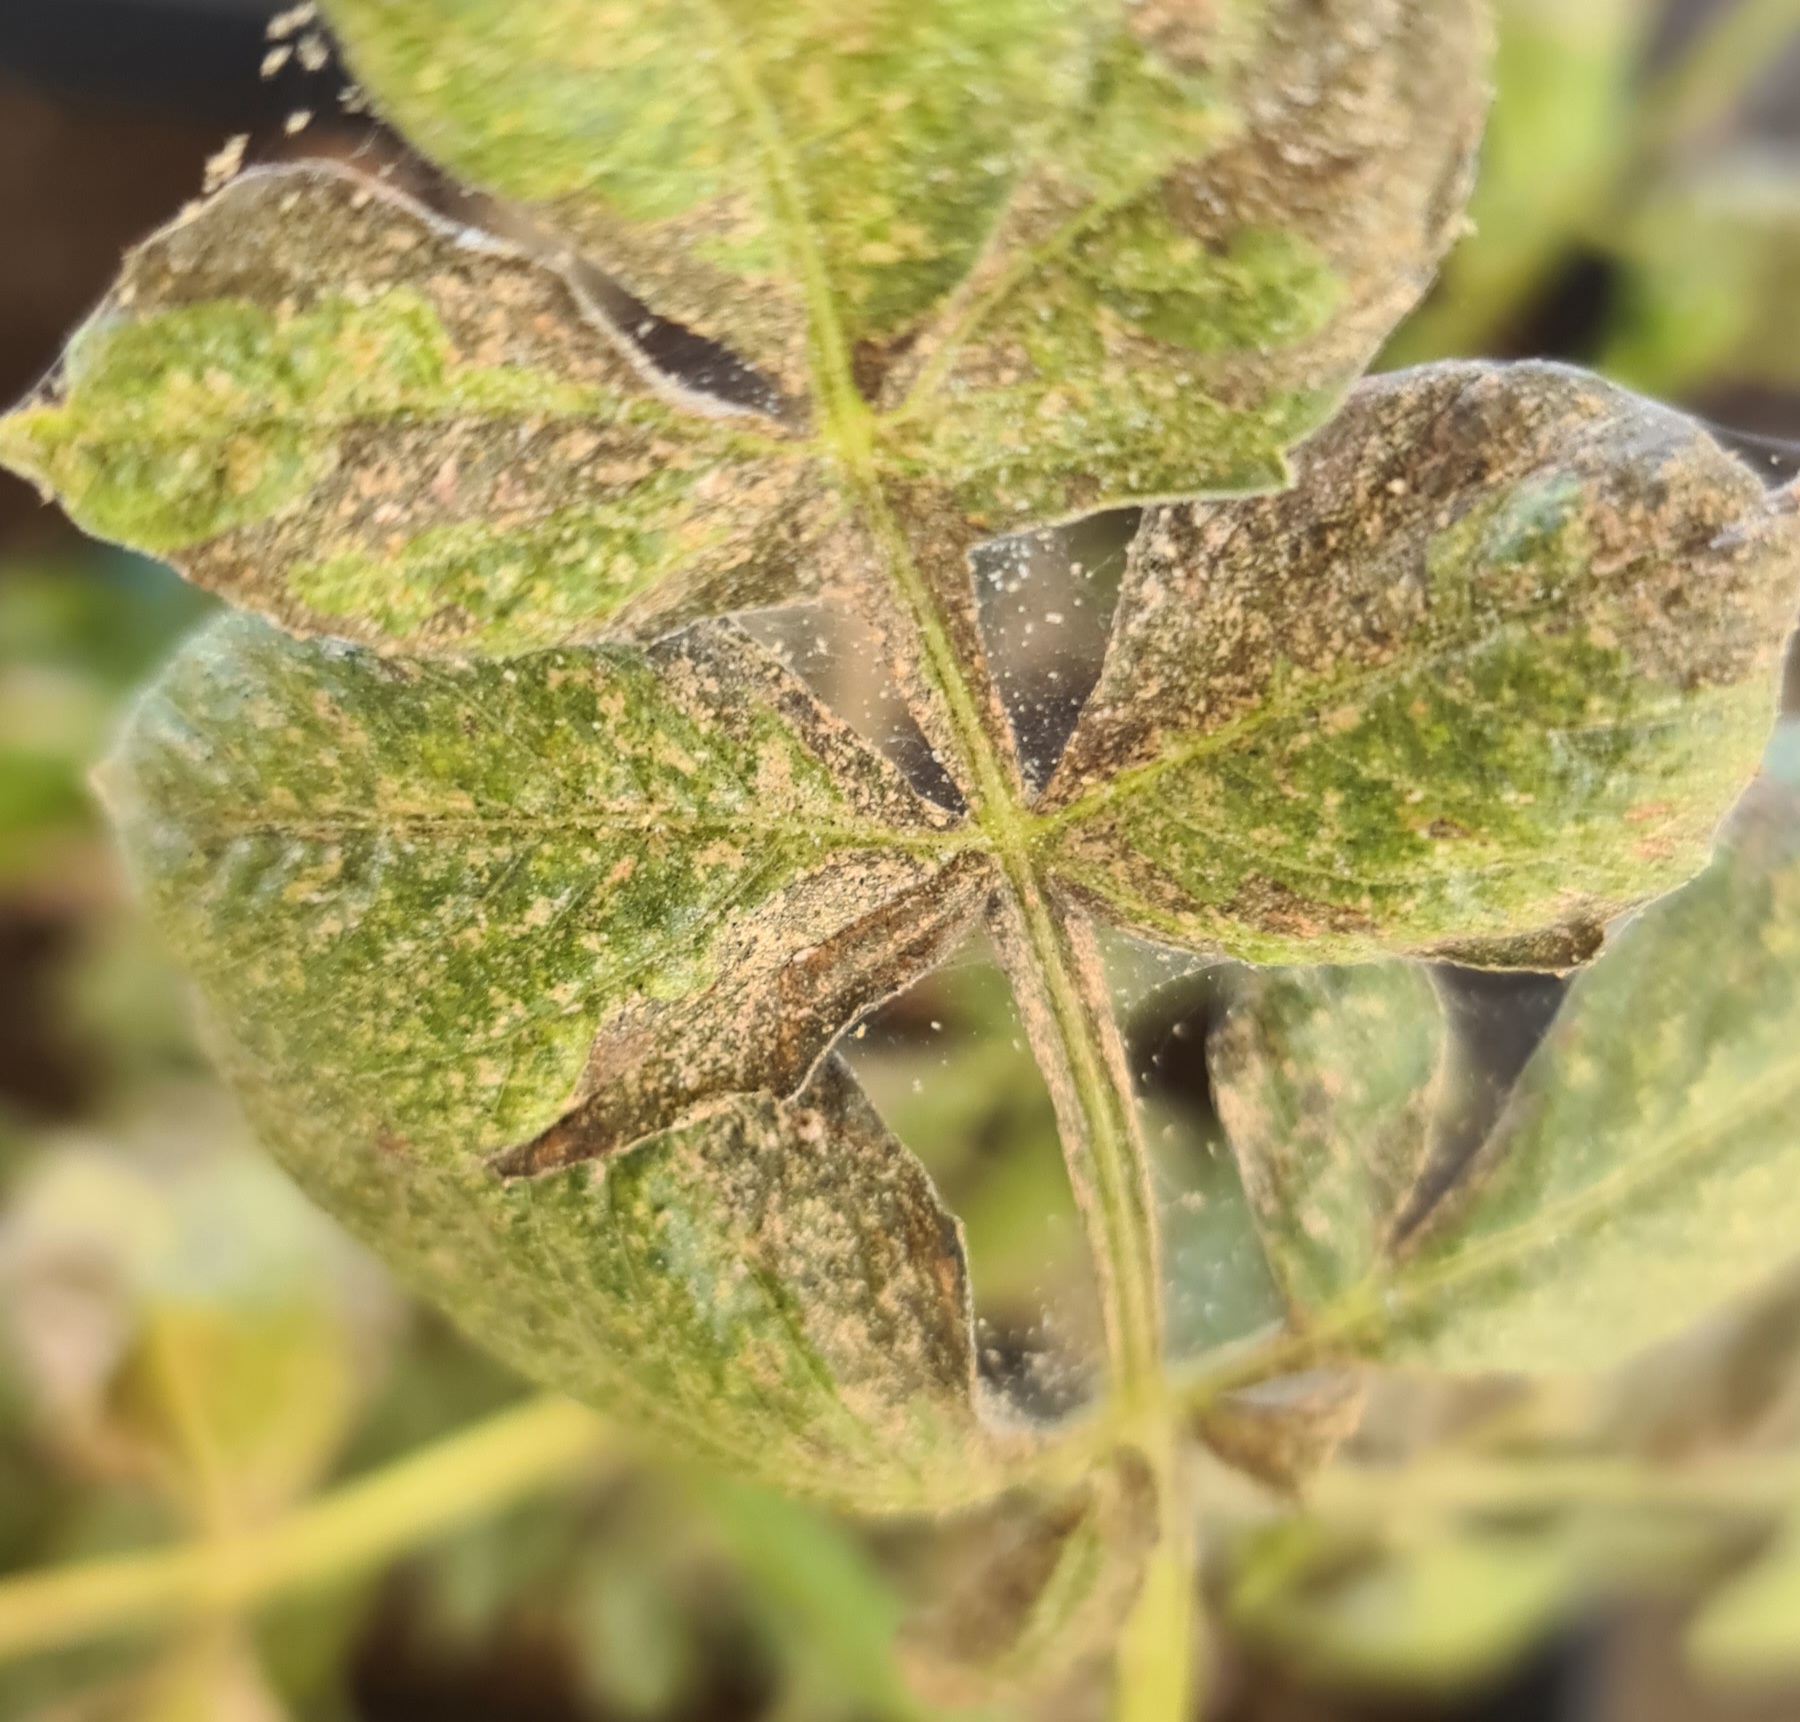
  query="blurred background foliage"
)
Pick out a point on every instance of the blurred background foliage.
point(188, 1352)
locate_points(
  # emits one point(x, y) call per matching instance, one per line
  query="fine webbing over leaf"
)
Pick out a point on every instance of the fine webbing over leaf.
point(1648, 1167)
point(450, 901)
point(330, 407)
point(1490, 673)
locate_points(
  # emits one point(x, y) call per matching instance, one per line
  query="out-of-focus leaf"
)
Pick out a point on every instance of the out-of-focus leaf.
point(1564, 91)
point(1033, 1587)
point(455, 911)
point(335, 409)
point(1750, 1631)
point(1326, 1080)
point(818, 1591)
point(1282, 1431)
point(1439, 1612)
point(1708, 298)
point(181, 1313)
point(72, 638)
point(1646, 1168)
point(1491, 672)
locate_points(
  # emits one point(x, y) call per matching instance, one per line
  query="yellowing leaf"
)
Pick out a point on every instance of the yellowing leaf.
point(1489, 674)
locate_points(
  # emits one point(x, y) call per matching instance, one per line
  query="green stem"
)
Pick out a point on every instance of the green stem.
point(1106, 1156)
point(455, 1482)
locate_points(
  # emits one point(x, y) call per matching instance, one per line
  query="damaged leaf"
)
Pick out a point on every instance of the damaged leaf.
point(1247, 200)
point(1645, 1170)
point(769, 1285)
point(460, 904)
point(1491, 673)
point(1001, 260)
point(335, 409)
point(1325, 1080)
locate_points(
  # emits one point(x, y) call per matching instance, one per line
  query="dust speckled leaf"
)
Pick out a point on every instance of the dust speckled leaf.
point(1491, 672)
point(327, 405)
point(1076, 249)
point(1647, 1168)
point(771, 1285)
point(1168, 304)
point(453, 902)
point(1325, 1080)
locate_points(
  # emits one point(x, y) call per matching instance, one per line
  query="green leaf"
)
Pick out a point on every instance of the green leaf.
point(1437, 1612)
point(772, 1286)
point(1079, 249)
point(1004, 259)
point(1489, 674)
point(1646, 1169)
point(1710, 265)
point(1326, 1080)
point(1164, 309)
point(457, 906)
point(331, 407)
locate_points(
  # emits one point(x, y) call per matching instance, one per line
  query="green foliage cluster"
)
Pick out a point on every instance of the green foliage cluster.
point(534, 907)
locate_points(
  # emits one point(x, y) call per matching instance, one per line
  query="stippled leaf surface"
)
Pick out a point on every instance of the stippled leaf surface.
point(464, 904)
point(1491, 672)
point(455, 924)
point(769, 1285)
point(1078, 250)
point(1325, 1080)
point(1006, 260)
point(1645, 1170)
point(330, 407)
